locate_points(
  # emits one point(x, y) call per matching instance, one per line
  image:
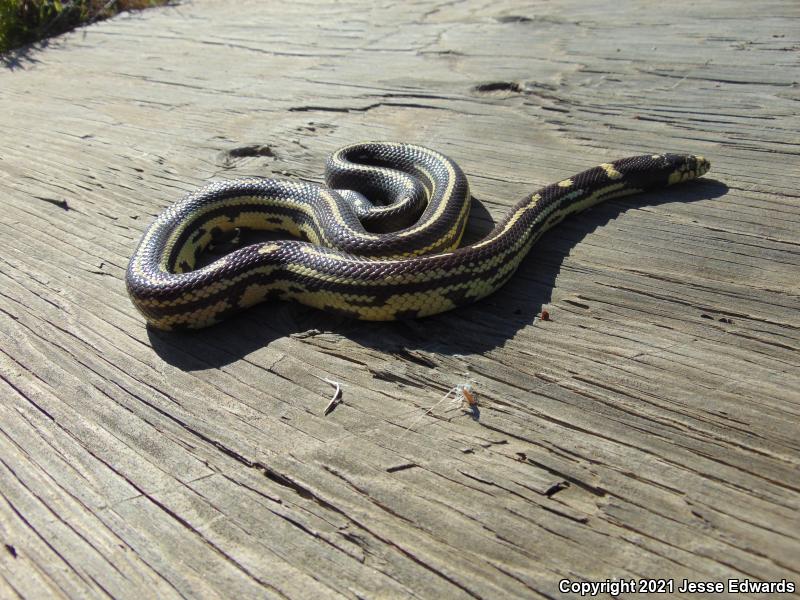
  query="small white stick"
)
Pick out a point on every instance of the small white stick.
point(429, 411)
point(336, 394)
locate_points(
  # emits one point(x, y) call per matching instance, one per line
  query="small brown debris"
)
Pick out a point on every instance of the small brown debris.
point(468, 395)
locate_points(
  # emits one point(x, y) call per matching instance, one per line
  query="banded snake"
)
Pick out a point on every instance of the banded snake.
point(379, 242)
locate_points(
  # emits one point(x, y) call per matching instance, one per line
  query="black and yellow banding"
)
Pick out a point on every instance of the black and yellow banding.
point(395, 259)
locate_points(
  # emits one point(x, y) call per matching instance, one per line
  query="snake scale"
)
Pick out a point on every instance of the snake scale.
point(379, 242)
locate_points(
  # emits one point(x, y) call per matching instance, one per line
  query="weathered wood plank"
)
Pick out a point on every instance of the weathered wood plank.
point(648, 429)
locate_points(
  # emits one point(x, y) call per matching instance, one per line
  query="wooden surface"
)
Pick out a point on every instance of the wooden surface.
point(648, 429)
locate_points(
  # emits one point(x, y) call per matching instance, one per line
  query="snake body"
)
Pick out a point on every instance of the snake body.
point(394, 258)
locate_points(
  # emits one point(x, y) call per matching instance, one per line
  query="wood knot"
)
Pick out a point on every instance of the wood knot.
point(227, 159)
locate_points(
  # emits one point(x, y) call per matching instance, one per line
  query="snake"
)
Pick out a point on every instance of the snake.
point(380, 241)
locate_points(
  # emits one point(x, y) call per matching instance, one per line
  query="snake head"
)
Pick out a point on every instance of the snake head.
point(684, 167)
point(655, 170)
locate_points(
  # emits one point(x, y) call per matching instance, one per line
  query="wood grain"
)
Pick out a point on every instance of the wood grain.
point(648, 429)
